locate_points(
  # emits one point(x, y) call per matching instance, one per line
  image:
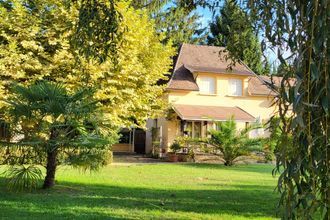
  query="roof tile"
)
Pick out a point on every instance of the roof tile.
point(209, 113)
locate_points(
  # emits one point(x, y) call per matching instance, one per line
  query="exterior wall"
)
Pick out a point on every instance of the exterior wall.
point(173, 132)
point(122, 148)
point(163, 125)
point(164, 133)
point(258, 106)
point(150, 124)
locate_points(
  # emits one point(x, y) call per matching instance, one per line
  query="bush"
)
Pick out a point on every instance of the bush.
point(175, 147)
point(232, 143)
point(23, 177)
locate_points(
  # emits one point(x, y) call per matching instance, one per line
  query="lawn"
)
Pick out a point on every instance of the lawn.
point(150, 191)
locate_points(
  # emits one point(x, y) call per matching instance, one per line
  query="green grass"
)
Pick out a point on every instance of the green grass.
point(150, 191)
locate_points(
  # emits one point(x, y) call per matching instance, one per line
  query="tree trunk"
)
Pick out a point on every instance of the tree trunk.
point(228, 163)
point(51, 169)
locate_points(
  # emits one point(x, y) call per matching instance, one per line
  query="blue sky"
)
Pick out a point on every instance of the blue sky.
point(207, 17)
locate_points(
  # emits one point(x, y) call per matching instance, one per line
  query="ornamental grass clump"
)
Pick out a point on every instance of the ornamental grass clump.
point(23, 177)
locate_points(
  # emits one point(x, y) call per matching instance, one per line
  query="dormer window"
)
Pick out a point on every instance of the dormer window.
point(206, 85)
point(235, 87)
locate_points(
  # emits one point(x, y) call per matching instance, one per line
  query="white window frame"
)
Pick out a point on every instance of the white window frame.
point(207, 79)
point(193, 128)
point(236, 82)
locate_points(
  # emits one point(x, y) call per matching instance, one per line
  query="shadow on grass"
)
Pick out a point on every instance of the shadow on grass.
point(80, 201)
point(257, 168)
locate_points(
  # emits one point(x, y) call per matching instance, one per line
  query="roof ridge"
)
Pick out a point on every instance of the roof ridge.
point(202, 45)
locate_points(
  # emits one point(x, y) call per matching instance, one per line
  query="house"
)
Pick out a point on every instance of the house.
point(202, 90)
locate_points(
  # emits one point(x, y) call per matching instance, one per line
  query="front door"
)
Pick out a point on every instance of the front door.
point(140, 141)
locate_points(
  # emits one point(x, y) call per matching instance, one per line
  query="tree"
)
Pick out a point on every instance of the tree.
point(303, 149)
point(302, 29)
point(36, 43)
point(51, 125)
point(179, 25)
point(232, 143)
point(233, 29)
point(96, 33)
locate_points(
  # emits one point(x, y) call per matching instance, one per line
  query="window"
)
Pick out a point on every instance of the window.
point(235, 87)
point(206, 85)
point(188, 129)
point(197, 129)
point(218, 125)
point(193, 129)
point(207, 128)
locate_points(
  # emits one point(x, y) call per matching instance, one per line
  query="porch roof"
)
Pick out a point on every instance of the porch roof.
point(211, 113)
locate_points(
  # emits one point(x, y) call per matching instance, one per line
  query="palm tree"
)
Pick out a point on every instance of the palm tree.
point(233, 143)
point(50, 121)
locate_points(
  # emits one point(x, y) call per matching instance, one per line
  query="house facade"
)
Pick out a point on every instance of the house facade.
point(203, 90)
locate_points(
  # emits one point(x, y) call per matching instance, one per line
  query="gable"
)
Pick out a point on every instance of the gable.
point(199, 58)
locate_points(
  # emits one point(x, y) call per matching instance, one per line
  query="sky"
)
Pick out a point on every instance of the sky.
point(207, 17)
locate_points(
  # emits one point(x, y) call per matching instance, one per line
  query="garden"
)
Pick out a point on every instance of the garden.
point(73, 73)
point(149, 191)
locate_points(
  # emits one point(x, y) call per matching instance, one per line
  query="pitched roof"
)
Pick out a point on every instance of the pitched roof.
point(209, 113)
point(211, 59)
point(258, 85)
point(182, 79)
point(199, 58)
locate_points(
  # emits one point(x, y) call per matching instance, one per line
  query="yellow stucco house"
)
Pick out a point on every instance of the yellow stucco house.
point(202, 90)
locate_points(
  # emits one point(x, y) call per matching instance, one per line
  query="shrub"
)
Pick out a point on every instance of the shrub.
point(23, 177)
point(231, 142)
point(175, 147)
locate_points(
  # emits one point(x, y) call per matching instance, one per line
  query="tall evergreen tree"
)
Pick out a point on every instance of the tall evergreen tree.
point(233, 28)
point(180, 25)
point(176, 22)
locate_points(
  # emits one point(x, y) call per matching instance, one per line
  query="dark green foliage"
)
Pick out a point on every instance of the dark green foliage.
point(180, 25)
point(270, 143)
point(91, 159)
point(175, 147)
point(232, 143)
point(54, 126)
point(285, 69)
point(303, 148)
point(4, 130)
point(23, 177)
point(151, 5)
point(233, 29)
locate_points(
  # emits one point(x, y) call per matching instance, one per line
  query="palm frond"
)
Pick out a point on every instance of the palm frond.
point(24, 177)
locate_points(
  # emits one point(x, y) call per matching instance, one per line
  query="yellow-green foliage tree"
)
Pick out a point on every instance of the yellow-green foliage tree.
point(35, 44)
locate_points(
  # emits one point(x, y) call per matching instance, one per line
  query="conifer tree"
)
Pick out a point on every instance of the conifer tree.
point(180, 26)
point(175, 21)
point(233, 25)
